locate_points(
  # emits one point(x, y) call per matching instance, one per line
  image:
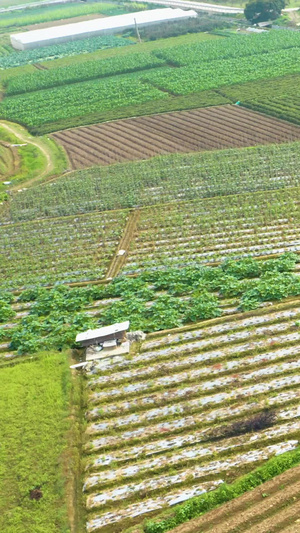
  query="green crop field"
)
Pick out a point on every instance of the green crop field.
point(16, 19)
point(34, 408)
point(49, 100)
point(199, 250)
point(161, 180)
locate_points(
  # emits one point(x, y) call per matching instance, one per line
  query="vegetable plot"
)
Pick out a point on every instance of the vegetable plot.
point(81, 72)
point(68, 249)
point(212, 230)
point(161, 180)
point(157, 435)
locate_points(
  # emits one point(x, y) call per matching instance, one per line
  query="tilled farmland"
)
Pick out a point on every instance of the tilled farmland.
point(211, 128)
point(157, 434)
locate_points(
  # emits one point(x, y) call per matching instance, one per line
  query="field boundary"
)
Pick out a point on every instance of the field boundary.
point(119, 260)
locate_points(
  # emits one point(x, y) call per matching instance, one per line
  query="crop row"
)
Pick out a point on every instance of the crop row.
point(194, 78)
point(80, 72)
point(161, 180)
point(79, 99)
point(235, 46)
point(46, 53)
point(39, 14)
point(215, 229)
point(204, 430)
point(68, 249)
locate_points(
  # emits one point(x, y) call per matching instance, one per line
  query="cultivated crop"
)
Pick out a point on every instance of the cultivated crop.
point(161, 180)
point(67, 249)
point(78, 99)
point(47, 53)
point(152, 426)
point(84, 71)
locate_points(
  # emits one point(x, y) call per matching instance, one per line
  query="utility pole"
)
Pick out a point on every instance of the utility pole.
point(137, 31)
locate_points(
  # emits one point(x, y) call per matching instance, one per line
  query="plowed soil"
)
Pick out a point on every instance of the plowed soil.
point(271, 507)
point(212, 128)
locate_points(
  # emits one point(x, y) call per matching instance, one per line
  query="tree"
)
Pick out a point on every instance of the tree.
point(263, 10)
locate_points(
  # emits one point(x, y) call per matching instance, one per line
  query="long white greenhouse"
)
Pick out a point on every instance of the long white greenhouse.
point(91, 28)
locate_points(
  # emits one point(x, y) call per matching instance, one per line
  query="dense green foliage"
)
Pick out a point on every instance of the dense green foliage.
point(34, 405)
point(34, 109)
point(263, 10)
point(40, 14)
point(197, 77)
point(152, 301)
point(46, 53)
point(202, 66)
point(234, 47)
point(278, 97)
point(201, 504)
point(83, 71)
point(176, 177)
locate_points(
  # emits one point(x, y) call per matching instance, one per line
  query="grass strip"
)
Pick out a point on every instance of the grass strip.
point(200, 505)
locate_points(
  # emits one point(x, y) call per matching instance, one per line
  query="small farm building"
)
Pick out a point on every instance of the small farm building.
point(108, 336)
point(92, 28)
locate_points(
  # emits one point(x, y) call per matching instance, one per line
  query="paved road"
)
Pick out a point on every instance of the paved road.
point(214, 8)
point(33, 4)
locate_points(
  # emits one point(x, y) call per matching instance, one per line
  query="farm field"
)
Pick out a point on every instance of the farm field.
point(195, 68)
point(34, 15)
point(250, 510)
point(155, 200)
point(278, 97)
point(201, 129)
point(160, 180)
point(68, 249)
point(34, 407)
point(157, 435)
point(81, 247)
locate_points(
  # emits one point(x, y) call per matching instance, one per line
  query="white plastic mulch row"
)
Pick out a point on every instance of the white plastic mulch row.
point(194, 473)
point(164, 429)
point(182, 350)
point(220, 328)
point(235, 365)
point(151, 504)
point(176, 457)
point(195, 404)
point(171, 395)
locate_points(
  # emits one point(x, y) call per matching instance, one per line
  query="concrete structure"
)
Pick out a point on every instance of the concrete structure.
point(92, 28)
point(113, 335)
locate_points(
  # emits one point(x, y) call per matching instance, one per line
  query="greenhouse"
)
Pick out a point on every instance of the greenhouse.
point(92, 28)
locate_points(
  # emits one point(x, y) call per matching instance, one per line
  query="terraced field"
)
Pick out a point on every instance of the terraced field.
point(186, 131)
point(271, 507)
point(68, 249)
point(215, 229)
point(165, 424)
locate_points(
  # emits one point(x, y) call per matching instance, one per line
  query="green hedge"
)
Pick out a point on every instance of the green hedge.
point(201, 504)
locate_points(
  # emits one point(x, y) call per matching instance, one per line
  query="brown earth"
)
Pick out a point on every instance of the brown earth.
point(210, 128)
point(61, 22)
point(271, 507)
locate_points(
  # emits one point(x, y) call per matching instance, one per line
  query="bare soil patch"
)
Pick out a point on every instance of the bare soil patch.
point(61, 22)
point(211, 128)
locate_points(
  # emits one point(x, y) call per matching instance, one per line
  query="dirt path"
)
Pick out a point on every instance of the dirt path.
point(124, 244)
point(271, 507)
point(25, 137)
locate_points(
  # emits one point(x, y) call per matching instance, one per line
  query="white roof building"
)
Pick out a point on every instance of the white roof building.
point(93, 336)
point(92, 28)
